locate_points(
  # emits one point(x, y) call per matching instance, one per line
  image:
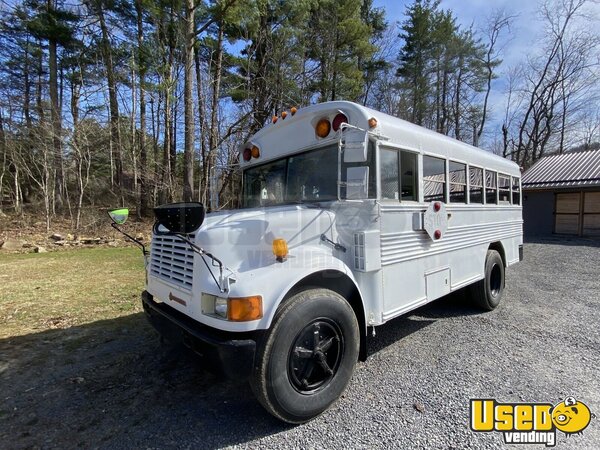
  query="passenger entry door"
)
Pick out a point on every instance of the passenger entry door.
point(402, 238)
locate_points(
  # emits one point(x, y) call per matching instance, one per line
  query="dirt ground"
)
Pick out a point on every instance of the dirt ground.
point(27, 231)
point(98, 376)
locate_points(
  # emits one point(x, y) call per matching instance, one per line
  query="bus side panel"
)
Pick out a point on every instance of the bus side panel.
point(417, 270)
point(511, 248)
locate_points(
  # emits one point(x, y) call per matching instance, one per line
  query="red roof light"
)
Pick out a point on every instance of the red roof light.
point(338, 120)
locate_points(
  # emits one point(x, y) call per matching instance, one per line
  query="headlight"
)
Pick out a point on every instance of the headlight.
point(221, 307)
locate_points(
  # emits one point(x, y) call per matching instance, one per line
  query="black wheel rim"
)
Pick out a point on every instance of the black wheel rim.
point(315, 356)
point(495, 280)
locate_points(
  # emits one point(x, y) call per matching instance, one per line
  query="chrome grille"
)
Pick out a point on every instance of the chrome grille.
point(172, 260)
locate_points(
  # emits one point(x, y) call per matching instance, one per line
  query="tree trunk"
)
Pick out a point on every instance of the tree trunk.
point(78, 151)
point(27, 86)
point(166, 166)
point(3, 151)
point(115, 135)
point(201, 117)
point(144, 203)
point(38, 89)
point(188, 98)
point(214, 126)
point(459, 80)
point(132, 131)
point(55, 112)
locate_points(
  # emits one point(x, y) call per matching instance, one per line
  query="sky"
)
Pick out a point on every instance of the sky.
point(524, 28)
point(518, 42)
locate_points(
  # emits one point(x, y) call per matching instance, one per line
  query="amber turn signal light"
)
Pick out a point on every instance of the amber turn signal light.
point(323, 128)
point(255, 151)
point(280, 249)
point(244, 309)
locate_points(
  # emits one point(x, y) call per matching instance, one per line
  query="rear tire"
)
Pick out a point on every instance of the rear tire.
point(307, 357)
point(487, 293)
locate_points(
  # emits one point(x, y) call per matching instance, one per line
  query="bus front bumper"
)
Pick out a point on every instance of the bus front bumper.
point(224, 352)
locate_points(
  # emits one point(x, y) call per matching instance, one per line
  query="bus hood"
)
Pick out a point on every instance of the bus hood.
point(243, 239)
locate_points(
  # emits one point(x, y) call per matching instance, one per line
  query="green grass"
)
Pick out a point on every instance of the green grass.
point(64, 289)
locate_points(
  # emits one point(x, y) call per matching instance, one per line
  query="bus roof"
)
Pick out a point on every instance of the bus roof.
point(297, 133)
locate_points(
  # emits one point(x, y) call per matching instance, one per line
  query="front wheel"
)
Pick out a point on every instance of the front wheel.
point(307, 358)
point(487, 293)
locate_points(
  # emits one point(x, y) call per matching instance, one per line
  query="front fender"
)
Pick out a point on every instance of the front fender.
point(275, 280)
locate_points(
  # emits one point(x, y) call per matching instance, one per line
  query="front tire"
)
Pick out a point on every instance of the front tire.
point(487, 293)
point(307, 357)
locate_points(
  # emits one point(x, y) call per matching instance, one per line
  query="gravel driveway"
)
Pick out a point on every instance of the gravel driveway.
point(113, 384)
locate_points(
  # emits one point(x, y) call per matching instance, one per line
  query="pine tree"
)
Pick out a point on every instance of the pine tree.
point(339, 40)
point(55, 25)
point(415, 66)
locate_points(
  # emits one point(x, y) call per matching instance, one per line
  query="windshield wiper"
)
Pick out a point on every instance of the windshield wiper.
point(305, 202)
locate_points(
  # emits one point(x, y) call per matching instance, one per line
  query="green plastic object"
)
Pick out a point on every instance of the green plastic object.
point(119, 216)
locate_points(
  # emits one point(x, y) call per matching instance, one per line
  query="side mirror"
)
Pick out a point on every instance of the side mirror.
point(355, 144)
point(357, 183)
point(182, 218)
point(119, 216)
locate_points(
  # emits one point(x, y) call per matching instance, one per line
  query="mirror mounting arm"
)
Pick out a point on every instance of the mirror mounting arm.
point(143, 247)
point(203, 253)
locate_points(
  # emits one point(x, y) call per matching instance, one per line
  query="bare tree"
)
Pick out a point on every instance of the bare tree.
point(590, 128)
point(4, 151)
point(551, 80)
point(498, 22)
point(97, 7)
point(39, 165)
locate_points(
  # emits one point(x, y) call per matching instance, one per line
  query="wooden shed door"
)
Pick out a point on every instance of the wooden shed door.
point(591, 214)
point(567, 213)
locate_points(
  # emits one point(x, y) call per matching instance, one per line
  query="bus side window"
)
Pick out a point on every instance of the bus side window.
point(408, 178)
point(389, 174)
point(434, 179)
point(476, 185)
point(491, 188)
point(458, 182)
point(516, 191)
point(504, 189)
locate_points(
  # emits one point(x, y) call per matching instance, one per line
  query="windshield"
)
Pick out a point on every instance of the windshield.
point(306, 177)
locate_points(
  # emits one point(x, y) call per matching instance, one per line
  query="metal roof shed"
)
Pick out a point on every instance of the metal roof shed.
point(561, 195)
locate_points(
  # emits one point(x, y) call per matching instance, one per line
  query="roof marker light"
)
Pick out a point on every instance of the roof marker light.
point(274, 120)
point(323, 128)
point(372, 122)
point(293, 110)
point(338, 120)
point(284, 115)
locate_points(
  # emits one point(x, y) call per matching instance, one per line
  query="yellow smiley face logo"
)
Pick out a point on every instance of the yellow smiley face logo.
point(571, 416)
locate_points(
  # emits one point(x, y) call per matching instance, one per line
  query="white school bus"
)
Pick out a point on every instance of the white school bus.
point(349, 218)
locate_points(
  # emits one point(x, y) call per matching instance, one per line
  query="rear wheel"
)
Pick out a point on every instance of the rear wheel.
point(307, 357)
point(487, 293)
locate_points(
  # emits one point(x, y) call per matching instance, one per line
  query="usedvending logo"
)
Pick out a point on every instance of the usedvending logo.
point(530, 423)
